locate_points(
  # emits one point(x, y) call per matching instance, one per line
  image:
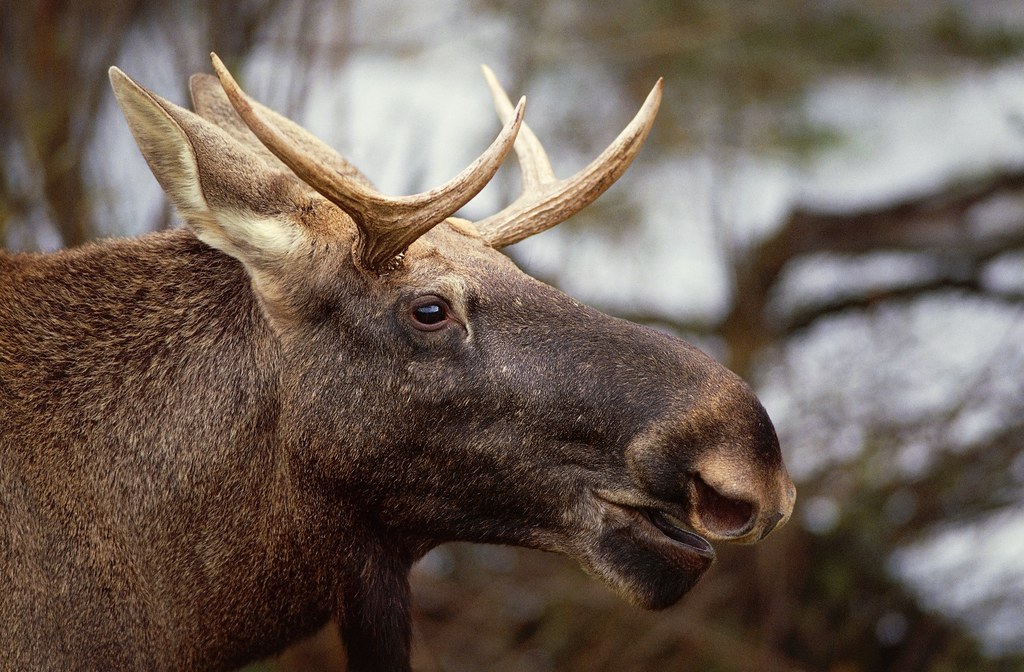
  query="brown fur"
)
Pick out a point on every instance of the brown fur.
point(208, 449)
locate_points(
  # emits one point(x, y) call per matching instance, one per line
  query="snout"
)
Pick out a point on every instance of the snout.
point(716, 465)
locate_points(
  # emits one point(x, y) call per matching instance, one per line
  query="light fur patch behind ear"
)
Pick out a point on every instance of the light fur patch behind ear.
point(252, 237)
point(264, 244)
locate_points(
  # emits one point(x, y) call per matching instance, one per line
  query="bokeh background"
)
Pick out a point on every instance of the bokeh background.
point(831, 202)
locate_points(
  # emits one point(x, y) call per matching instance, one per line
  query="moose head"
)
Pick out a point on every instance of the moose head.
point(399, 382)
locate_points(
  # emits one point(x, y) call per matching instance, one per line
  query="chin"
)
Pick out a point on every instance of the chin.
point(645, 566)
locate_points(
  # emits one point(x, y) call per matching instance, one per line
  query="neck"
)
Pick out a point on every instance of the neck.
point(139, 403)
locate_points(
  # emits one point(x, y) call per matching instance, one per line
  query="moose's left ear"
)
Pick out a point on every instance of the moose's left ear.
point(211, 103)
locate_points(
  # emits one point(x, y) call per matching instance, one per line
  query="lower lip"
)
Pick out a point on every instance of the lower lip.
point(653, 530)
point(678, 535)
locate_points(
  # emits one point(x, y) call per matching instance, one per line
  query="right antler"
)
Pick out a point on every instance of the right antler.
point(546, 200)
point(387, 225)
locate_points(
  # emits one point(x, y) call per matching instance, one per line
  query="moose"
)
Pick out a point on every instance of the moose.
point(215, 439)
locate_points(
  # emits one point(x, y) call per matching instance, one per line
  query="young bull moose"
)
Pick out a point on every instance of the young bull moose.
point(215, 439)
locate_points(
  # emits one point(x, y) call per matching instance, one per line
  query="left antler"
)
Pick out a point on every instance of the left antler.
point(546, 200)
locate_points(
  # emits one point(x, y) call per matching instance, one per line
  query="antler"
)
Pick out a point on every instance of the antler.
point(546, 200)
point(387, 225)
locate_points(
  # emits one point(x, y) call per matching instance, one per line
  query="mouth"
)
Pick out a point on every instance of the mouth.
point(659, 531)
point(676, 530)
point(649, 556)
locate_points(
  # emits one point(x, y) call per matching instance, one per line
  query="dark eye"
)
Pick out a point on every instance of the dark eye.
point(429, 313)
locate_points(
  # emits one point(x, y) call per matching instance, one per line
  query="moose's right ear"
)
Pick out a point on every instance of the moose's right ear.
point(226, 193)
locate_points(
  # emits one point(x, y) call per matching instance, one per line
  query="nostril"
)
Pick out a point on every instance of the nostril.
point(720, 514)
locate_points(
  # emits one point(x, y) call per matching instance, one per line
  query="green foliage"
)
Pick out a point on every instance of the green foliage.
point(743, 54)
point(958, 35)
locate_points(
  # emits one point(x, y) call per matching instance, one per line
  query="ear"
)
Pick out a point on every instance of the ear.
point(211, 103)
point(226, 192)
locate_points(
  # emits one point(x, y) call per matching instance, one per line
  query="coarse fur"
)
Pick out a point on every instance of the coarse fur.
point(215, 439)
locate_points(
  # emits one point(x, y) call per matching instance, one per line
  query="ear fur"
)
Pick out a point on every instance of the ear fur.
point(211, 103)
point(227, 193)
point(163, 143)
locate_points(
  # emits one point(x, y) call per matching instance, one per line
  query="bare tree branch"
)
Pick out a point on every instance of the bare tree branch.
point(804, 317)
point(938, 222)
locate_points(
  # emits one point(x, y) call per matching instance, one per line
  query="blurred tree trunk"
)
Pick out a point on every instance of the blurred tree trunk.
point(56, 56)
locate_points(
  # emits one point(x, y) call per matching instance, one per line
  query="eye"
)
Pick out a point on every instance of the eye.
point(429, 313)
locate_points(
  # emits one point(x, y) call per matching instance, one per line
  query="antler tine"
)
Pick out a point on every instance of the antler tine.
point(534, 165)
point(546, 200)
point(387, 225)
